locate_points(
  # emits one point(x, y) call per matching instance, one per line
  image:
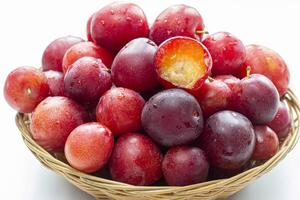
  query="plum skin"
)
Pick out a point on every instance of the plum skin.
point(177, 20)
point(88, 28)
point(53, 55)
point(89, 147)
point(86, 80)
point(214, 96)
point(172, 117)
point(53, 120)
point(116, 24)
point(228, 140)
point(25, 88)
point(263, 60)
point(282, 122)
point(133, 66)
point(228, 53)
point(257, 99)
point(267, 143)
point(86, 49)
point(136, 160)
point(184, 165)
point(120, 110)
point(55, 81)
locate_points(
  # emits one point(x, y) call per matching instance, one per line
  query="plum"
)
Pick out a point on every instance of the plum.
point(184, 165)
point(267, 143)
point(172, 117)
point(55, 81)
point(282, 122)
point(86, 49)
point(89, 147)
point(86, 80)
point(55, 51)
point(120, 110)
point(182, 62)
point(228, 140)
point(53, 120)
point(214, 96)
point(227, 51)
point(133, 66)
point(136, 160)
point(263, 60)
point(116, 24)
point(257, 98)
point(25, 88)
point(177, 20)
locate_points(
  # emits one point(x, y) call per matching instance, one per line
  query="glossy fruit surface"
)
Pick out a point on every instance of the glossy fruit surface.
point(84, 49)
point(136, 160)
point(282, 122)
point(185, 165)
point(55, 51)
point(89, 147)
point(87, 79)
point(55, 81)
point(228, 140)
point(177, 20)
point(116, 24)
point(120, 110)
point(230, 80)
point(172, 117)
point(133, 66)
point(267, 143)
point(227, 51)
point(53, 120)
point(214, 96)
point(25, 88)
point(182, 62)
point(263, 60)
point(257, 99)
point(88, 28)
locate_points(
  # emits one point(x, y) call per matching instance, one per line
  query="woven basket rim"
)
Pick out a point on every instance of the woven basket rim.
point(287, 145)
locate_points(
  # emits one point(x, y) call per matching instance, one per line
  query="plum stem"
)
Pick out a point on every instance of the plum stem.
point(201, 32)
point(107, 70)
point(248, 71)
point(210, 79)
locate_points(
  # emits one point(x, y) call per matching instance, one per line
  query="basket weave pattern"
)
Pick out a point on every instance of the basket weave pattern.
point(102, 188)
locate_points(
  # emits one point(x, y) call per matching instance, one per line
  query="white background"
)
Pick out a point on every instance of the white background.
point(26, 28)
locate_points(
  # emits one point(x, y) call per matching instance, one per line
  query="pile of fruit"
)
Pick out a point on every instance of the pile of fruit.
point(167, 102)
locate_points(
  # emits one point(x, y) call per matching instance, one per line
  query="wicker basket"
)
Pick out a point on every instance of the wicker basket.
point(102, 188)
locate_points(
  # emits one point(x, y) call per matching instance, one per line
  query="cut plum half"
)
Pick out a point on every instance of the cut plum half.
point(182, 62)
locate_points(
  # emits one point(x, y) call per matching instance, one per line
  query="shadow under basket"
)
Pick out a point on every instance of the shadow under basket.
point(101, 188)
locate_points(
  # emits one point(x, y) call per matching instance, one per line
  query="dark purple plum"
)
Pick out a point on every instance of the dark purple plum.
point(228, 140)
point(257, 98)
point(87, 79)
point(172, 117)
point(184, 165)
point(133, 67)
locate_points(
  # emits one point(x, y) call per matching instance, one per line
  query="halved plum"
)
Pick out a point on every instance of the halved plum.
point(182, 62)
